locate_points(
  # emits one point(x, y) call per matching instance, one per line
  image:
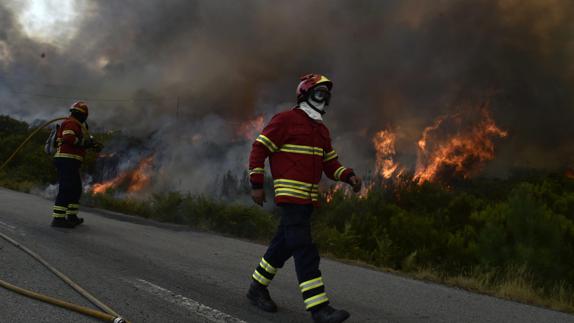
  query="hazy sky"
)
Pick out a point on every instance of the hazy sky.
point(177, 67)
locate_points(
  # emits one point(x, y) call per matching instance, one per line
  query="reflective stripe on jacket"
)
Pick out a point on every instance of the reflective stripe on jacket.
point(299, 151)
point(70, 139)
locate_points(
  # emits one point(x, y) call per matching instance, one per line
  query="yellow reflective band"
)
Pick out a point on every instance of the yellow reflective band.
point(298, 189)
point(59, 208)
point(311, 284)
point(64, 155)
point(268, 268)
point(314, 199)
point(68, 132)
point(294, 182)
point(298, 149)
point(258, 277)
point(58, 215)
point(267, 143)
point(338, 172)
point(330, 156)
point(296, 192)
point(300, 186)
point(316, 300)
point(73, 206)
point(257, 171)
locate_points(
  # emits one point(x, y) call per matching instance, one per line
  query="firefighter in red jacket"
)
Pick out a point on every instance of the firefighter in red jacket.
point(73, 139)
point(298, 145)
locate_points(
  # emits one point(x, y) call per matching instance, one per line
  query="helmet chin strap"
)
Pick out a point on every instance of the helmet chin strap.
point(311, 111)
point(319, 107)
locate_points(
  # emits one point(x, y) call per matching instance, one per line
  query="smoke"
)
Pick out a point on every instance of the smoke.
point(177, 70)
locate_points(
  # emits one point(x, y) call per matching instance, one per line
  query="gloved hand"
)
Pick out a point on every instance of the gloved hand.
point(97, 146)
point(90, 143)
point(356, 183)
point(258, 196)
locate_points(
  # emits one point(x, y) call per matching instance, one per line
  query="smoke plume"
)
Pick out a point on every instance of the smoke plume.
point(185, 75)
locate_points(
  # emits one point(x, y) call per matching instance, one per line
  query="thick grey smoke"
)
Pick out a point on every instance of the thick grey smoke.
point(198, 68)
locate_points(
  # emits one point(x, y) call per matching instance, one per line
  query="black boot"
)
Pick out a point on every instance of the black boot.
point(75, 220)
point(259, 296)
point(62, 223)
point(327, 314)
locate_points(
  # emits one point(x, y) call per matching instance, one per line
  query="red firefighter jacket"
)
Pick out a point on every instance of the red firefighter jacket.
point(70, 138)
point(299, 151)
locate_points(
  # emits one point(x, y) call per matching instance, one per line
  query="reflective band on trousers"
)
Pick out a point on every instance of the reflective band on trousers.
point(300, 149)
point(267, 143)
point(316, 300)
point(311, 284)
point(268, 268)
point(258, 277)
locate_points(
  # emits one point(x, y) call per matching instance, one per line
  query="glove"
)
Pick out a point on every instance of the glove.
point(97, 146)
point(90, 143)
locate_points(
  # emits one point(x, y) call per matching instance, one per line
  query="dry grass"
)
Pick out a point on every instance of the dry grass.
point(514, 284)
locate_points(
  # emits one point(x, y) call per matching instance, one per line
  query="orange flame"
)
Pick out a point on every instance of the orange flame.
point(136, 179)
point(330, 194)
point(440, 152)
point(461, 154)
point(386, 167)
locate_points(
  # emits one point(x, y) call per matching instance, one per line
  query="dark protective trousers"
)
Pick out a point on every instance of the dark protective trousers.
point(293, 238)
point(70, 187)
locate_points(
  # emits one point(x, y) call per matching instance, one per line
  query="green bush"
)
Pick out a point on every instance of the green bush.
point(196, 211)
point(492, 229)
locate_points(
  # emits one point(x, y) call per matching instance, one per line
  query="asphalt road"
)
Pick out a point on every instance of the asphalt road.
point(151, 272)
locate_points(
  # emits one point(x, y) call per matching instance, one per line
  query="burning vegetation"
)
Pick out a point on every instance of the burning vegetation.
point(454, 147)
point(386, 167)
point(131, 181)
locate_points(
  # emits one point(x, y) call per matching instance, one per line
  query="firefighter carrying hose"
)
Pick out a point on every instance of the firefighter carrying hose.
point(298, 145)
point(72, 140)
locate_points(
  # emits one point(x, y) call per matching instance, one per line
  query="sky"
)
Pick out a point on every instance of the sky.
point(185, 73)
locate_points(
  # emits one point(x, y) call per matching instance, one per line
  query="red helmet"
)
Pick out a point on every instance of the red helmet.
point(308, 82)
point(80, 106)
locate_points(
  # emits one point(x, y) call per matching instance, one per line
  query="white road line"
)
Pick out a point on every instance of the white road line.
point(204, 311)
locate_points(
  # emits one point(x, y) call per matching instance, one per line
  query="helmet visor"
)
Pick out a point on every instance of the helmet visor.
point(320, 94)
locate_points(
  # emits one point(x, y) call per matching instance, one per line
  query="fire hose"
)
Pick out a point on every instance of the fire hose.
point(107, 314)
point(27, 140)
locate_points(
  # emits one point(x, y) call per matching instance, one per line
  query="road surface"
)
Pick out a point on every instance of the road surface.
point(152, 272)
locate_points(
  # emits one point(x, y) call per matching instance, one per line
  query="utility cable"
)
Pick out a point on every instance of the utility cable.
point(108, 315)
